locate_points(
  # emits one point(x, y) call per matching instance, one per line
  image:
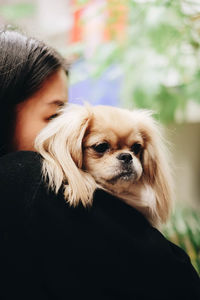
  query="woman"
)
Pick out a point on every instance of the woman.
point(33, 85)
point(48, 249)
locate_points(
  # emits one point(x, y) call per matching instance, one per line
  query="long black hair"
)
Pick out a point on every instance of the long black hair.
point(25, 63)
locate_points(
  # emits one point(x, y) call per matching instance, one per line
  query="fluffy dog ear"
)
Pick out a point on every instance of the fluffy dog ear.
point(157, 173)
point(60, 144)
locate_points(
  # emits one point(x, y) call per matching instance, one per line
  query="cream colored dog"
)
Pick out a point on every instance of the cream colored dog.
point(115, 149)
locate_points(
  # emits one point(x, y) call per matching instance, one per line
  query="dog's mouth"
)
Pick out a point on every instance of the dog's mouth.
point(127, 175)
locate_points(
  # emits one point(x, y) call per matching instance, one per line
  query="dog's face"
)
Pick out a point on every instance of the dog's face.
point(119, 150)
point(113, 146)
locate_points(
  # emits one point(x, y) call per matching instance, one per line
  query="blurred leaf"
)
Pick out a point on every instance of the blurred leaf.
point(184, 230)
point(17, 11)
point(104, 58)
point(82, 2)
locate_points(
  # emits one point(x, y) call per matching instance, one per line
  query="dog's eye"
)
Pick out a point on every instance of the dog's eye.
point(101, 148)
point(136, 148)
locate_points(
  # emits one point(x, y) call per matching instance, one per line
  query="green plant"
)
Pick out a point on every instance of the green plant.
point(159, 56)
point(184, 230)
point(13, 12)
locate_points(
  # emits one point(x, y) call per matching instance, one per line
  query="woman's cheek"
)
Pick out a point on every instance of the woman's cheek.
point(32, 133)
point(40, 125)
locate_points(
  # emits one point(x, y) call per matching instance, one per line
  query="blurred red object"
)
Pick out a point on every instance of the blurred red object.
point(112, 25)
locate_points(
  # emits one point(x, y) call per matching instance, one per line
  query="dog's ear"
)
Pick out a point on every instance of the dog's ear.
point(157, 173)
point(60, 144)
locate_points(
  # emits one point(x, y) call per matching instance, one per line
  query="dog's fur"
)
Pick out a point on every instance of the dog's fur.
point(70, 146)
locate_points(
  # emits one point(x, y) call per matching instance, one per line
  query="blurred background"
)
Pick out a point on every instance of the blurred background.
point(145, 54)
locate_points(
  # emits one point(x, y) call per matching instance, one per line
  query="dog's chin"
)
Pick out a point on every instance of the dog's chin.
point(124, 176)
point(121, 179)
point(122, 184)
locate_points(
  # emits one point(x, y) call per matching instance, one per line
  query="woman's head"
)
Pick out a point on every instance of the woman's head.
point(33, 84)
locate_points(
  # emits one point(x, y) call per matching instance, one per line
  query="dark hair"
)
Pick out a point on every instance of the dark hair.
point(25, 63)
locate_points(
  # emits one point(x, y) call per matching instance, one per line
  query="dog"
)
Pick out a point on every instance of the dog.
point(118, 150)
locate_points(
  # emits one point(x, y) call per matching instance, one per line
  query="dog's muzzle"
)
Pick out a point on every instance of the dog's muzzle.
point(127, 171)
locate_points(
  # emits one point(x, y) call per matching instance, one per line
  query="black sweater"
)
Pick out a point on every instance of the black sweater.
point(109, 251)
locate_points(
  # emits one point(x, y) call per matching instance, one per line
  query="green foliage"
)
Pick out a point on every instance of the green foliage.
point(159, 58)
point(184, 230)
point(17, 11)
point(82, 2)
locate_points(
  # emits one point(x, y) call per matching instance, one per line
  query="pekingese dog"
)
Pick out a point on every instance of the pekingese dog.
point(121, 151)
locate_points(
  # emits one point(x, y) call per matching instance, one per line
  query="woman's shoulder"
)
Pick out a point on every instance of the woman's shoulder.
point(20, 156)
point(19, 171)
point(19, 162)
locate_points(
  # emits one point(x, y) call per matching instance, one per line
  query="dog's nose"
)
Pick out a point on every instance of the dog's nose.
point(125, 157)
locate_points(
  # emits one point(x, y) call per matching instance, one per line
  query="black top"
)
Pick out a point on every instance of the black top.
point(109, 251)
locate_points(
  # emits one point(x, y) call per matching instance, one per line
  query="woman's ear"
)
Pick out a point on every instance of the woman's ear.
point(157, 175)
point(60, 144)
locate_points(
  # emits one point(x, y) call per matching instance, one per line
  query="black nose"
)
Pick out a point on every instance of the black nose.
point(125, 157)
